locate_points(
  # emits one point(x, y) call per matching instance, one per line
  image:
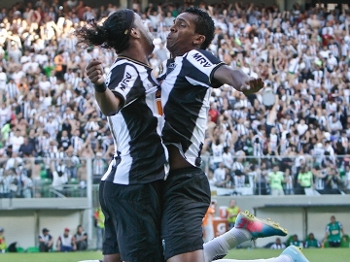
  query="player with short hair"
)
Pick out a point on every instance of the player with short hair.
point(186, 87)
point(185, 83)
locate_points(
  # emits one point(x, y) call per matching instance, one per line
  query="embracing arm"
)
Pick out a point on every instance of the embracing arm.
point(238, 79)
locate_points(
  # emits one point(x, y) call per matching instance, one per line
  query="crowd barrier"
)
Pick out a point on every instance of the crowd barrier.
point(61, 178)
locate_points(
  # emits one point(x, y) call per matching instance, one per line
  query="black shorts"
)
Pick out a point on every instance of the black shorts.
point(334, 243)
point(185, 201)
point(132, 220)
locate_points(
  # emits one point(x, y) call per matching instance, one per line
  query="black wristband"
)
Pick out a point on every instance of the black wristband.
point(101, 88)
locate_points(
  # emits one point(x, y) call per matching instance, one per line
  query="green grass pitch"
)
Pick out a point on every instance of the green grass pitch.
point(314, 255)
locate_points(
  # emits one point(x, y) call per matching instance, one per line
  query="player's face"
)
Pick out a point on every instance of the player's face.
point(145, 33)
point(182, 37)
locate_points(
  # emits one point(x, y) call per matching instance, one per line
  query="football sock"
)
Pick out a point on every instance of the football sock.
point(220, 246)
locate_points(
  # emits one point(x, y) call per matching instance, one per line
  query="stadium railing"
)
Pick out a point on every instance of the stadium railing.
point(76, 178)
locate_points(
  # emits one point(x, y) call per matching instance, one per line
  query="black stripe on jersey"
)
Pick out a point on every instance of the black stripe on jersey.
point(174, 129)
point(134, 127)
point(121, 82)
point(186, 87)
point(110, 177)
point(206, 60)
point(146, 149)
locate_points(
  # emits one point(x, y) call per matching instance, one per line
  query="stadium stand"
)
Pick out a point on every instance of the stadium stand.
point(50, 122)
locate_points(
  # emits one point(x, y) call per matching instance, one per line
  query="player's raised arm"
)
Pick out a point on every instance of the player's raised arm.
point(108, 102)
point(238, 79)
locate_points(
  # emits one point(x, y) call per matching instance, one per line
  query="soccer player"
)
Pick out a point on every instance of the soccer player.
point(185, 86)
point(130, 190)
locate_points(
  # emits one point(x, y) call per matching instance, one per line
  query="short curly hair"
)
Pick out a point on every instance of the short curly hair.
point(204, 25)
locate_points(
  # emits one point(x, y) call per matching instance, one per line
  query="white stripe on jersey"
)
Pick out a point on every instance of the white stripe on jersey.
point(138, 148)
point(127, 82)
point(185, 99)
point(194, 82)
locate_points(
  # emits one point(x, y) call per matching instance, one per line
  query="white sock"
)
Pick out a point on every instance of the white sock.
point(282, 258)
point(220, 246)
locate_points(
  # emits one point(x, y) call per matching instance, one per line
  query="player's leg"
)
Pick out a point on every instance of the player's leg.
point(112, 258)
point(185, 202)
point(136, 212)
point(290, 254)
point(247, 227)
point(110, 248)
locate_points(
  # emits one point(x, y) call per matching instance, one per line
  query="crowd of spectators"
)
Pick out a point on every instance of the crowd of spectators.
point(66, 242)
point(50, 123)
point(335, 237)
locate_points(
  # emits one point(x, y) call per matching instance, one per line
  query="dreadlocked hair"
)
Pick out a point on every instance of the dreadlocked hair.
point(113, 33)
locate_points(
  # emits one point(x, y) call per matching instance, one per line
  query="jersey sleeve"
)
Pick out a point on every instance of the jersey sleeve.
point(120, 81)
point(202, 66)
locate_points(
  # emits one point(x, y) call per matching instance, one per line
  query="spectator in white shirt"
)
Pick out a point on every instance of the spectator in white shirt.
point(5, 113)
point(3, 79)
point(302, 127)
point(334, 123)
point(220, 177)
point(16, 140)
point(13, 162)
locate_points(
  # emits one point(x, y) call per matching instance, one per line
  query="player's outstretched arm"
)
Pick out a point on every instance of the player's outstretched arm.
point(108, 102)
point(238, 79)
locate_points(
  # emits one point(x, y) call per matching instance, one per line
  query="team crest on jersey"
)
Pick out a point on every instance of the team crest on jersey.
point(202, 60)
point(170, 68)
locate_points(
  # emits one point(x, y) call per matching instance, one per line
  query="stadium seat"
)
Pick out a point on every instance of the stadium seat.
point(20, 250)
point(290, 239)
point(32, 250)
point(345, 242)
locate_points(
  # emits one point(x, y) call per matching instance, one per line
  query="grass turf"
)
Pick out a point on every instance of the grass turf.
point(314, 255)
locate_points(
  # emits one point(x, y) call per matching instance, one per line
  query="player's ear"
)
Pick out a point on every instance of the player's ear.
point(199, 39)
point(135, 33)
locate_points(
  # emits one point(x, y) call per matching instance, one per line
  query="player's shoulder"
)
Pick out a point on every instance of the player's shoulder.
point(201, 56)
point(121, 70)
point(201, 60)
point(201, 51)
point(123, 63)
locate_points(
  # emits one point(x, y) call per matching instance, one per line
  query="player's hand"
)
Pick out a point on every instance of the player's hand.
point(94, 71)
point(252, 86)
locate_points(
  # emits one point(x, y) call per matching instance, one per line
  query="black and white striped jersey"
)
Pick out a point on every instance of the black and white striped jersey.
point(139, 151)
point(186, 83)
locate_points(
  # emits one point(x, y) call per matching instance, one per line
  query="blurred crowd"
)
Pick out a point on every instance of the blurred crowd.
point(291, 136)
